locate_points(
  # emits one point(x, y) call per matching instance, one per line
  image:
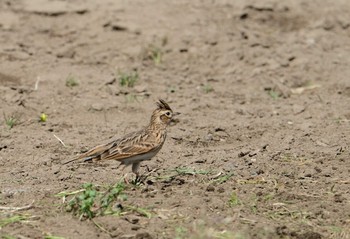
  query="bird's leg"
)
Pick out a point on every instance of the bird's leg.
point(135, 167)
point(125, 176)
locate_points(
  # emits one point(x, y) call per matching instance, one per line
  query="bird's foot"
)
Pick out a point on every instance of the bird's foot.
point(140, 179)
point(126, 179)
point(135, 181)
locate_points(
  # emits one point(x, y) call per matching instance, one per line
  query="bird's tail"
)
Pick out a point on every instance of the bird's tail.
point(79, 157)
point(93, 154)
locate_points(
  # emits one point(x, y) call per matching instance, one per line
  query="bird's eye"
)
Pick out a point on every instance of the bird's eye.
point(167, 113)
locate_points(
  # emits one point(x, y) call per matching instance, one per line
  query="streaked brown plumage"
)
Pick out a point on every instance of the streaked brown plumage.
point(135, 147)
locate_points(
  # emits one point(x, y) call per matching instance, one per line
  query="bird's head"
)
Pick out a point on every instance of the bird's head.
point(163, 114)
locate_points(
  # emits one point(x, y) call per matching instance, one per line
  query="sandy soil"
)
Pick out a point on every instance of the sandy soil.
point(262, 86)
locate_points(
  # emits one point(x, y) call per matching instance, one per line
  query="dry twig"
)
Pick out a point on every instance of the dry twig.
point(14, 209)
point(60, 141)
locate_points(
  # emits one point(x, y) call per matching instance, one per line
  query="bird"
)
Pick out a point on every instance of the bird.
point(134, 147)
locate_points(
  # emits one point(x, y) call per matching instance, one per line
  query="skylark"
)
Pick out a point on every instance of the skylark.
point(135, 147)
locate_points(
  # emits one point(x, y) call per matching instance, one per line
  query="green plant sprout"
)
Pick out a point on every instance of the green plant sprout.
point(71, 82)
point(10, 121)
point(128, 79)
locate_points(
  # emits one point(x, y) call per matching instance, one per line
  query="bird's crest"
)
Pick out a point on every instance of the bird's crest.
point(162, 105)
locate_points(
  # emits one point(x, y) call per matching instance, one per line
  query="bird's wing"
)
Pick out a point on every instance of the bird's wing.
point(132, 144)
point(120, 152)
point(92, 154)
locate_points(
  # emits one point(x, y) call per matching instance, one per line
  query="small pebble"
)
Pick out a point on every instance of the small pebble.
point(97, 106)
point(221, 190)
point(143, 235)
point(210, 188)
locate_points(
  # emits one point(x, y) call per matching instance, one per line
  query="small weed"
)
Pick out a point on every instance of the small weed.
point(13, 219)
point(234, 200)
point(128, 79)
point(82, 204)
point(10, 121)
point(71, 82)
point(274, 94)
point(92, 201)
point(207, 88)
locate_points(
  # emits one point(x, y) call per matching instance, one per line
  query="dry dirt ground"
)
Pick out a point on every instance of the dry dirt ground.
point(260, 150)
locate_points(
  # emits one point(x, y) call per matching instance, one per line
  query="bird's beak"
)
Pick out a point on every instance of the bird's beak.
point(175, 120)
